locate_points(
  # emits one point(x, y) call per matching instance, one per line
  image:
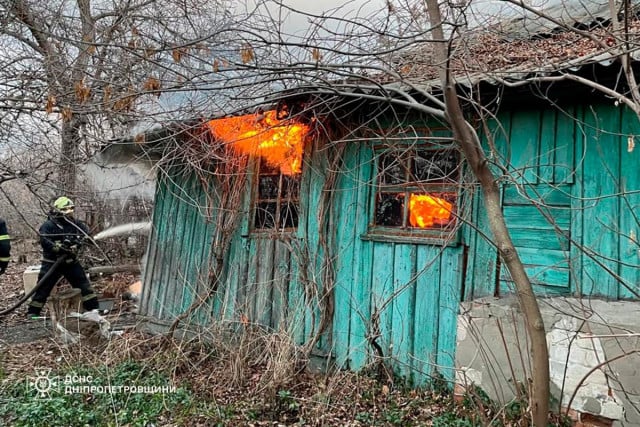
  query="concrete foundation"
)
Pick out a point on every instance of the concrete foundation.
point(594, 353)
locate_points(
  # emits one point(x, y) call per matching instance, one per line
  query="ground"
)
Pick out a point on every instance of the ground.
point(15, 329)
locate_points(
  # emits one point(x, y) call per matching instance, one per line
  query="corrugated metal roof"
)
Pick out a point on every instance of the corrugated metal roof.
point(523, 23)
point(516, 43)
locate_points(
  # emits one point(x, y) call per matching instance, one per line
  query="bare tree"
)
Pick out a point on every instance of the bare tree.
point(83, 72)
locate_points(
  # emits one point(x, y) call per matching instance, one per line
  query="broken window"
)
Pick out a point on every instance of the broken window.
point(417, 189)
point(277, 198)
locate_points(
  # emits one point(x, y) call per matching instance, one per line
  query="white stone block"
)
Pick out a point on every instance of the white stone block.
point(612, 409)
point(30, 278)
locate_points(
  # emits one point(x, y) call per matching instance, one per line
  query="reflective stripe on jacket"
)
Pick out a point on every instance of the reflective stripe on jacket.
point(5, 245)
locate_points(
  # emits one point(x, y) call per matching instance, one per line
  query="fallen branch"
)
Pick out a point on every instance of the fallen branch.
point(111, 269)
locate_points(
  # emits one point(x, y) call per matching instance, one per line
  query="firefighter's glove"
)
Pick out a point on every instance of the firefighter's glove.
point(72, 253)
point(69, 247)
point(57, 247)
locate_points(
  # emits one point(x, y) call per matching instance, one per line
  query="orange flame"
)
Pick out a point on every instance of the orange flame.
point(426, 211)
point(279, 142)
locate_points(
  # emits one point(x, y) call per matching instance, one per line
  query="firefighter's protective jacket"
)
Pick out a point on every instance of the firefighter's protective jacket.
point(58, 233)
point(5, 246)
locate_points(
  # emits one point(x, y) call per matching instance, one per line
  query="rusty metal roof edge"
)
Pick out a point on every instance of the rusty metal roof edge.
point(524, 72)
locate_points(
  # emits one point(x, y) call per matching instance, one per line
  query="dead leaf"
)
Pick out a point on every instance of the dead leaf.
point(246, 53)
point(66, 114)
point(51, 102)
point(385, 390)
point(139, 138)
point(315, 54)
point(82, 91)
point(87, 39)
point(125, 103)
point(630, 143)
point(177, 55)
point(152, 85)
point(216, 66)
point(107, 94)
point(149, 52)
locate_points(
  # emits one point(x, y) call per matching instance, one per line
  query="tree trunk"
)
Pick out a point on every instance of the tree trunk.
point(69, 156)
point(474, 154)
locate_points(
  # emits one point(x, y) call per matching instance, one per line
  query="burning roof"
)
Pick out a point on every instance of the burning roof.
point(270, 135)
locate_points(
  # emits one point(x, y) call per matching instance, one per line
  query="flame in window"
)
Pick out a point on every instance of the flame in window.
point(280, 142)
point(426, 211)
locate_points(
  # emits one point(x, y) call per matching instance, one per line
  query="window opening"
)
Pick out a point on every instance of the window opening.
point(418, 189)
point(277, 200)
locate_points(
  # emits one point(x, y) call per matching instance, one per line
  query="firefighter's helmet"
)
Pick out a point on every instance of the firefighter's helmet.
point(63, 205)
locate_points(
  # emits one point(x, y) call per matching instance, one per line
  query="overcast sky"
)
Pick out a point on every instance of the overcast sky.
point(297, 23)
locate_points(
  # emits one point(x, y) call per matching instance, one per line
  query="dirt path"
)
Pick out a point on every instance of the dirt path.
point(20, 333)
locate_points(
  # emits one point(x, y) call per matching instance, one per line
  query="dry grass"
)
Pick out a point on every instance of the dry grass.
point(255, 378)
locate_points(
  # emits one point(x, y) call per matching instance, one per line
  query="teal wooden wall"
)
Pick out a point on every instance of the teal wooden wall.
point(177, 265)
point(405, 294)
point(402, 296)
point(579, 236)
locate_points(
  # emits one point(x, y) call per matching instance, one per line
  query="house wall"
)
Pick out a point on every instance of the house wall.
point(177, 266)
point(356, 299)
point(398, 298)
point(403, 294)
point(578, 241)
point(579, 236)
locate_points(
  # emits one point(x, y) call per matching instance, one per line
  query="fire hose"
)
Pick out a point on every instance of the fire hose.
point(27, 295)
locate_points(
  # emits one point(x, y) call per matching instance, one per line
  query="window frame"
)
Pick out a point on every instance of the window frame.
point(420, 140)
point(256, 199)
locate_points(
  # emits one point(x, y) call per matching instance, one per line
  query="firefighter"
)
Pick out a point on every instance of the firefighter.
point(5, 247)
point(61, 235)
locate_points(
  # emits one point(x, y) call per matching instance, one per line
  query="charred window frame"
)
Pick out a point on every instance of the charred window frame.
point(276, 200)
point(411, 180)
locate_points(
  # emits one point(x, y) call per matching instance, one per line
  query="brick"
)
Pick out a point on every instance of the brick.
point(581, 419)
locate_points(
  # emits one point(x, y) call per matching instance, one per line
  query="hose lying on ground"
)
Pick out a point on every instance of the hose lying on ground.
point(27, 295)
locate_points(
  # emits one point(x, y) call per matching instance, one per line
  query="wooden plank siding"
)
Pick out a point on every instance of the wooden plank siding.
point(600, 172)
point(629, 250)
point(177, 259)
point(403, 296)
point(319, 222)
point(395, 298)
point(539, 234)
point(570, 203)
